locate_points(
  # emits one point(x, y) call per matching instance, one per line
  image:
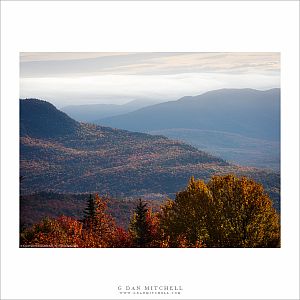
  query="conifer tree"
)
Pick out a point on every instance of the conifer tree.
point(99, 226)
point(139, 226)
point(90, 211)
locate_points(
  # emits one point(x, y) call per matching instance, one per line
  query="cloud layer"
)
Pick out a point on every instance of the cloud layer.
point(65, 78)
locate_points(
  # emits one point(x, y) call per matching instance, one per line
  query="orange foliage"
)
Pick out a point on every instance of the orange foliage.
point(226, 212)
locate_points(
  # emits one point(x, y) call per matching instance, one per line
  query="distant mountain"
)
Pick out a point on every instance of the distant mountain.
point(240, 125)
point(140, 103)
point(248, 112)
point(58, 154)
point(92, 112)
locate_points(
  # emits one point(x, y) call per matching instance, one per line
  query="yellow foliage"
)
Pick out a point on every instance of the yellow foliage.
point(226, 212)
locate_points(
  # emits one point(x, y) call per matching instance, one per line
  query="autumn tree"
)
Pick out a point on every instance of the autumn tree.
point(101, 227)
point(226, 212)
point(153, 222)
point(96, 231)
point(121, 238)
point(244, 215)
point(184, 221)
point(50, 232)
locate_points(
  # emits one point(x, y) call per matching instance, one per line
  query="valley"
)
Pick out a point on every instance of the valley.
point(239, 125)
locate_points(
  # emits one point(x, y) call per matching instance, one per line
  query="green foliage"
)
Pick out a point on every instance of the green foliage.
point(90, 211)
point(139, 226)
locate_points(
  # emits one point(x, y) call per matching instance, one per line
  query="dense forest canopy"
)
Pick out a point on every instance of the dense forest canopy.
point(226, 212)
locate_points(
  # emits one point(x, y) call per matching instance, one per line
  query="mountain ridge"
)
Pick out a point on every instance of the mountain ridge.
point(249, 112)
point(91, 112)
point(248, 118)
point(86, 147)
point(112, 162)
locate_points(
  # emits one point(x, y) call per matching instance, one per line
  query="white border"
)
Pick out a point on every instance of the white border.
point(150, 26)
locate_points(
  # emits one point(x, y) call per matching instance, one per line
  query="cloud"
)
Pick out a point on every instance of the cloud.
point(77, 64)
point(65, 78)
point(121, 88)
point(62, 56)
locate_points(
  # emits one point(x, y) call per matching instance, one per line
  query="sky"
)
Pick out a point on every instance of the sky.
point(70, 78)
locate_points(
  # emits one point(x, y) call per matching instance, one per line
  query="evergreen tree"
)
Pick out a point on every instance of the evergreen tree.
point(90, 212)
point(139, 226)
point(99, 226)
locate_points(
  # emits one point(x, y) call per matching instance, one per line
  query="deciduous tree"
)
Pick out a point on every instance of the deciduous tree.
point(226, 212)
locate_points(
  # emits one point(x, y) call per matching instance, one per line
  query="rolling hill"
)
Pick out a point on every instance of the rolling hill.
point(240, 125)
point(58, 154)
point(62, 155)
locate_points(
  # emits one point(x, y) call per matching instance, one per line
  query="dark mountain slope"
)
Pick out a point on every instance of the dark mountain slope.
point(58, 154)
point(78, 157)
point(40, 119)
point(248, 112)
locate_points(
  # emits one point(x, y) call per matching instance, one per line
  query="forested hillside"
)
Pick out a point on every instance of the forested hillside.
point(240, 125)
point(89, 158)
point(61, 155)
point(225, 212)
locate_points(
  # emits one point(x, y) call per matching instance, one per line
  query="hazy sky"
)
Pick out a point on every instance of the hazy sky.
point(83, 78)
